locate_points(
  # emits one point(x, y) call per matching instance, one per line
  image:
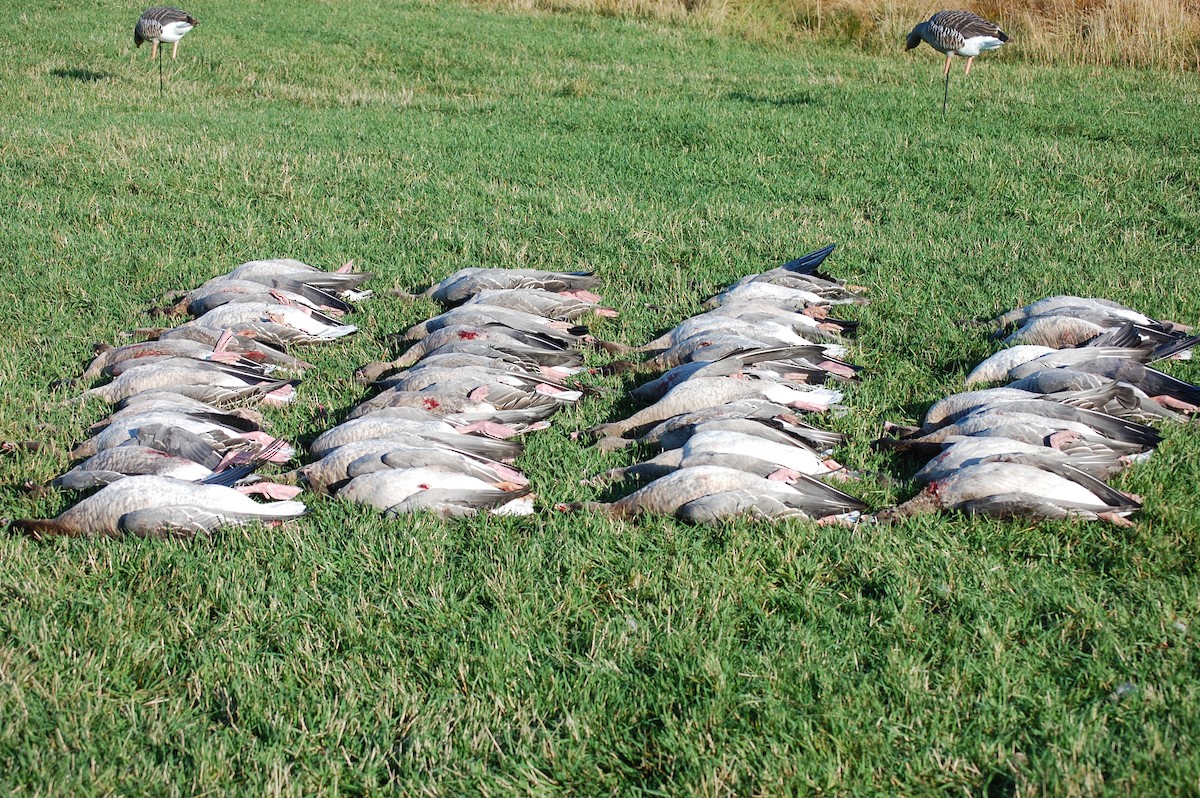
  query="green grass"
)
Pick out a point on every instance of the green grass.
point(567, 654)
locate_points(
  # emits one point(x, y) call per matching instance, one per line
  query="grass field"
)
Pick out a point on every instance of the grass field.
point(564, 653)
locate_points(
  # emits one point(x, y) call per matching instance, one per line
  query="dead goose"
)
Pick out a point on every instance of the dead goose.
point(465, 402)
point(274, 323)
point(533, 358)
point(670, 494)
point(433, 489)
point(674, 431)
point(124, 428)
point(1074, 304)
point(707, 348)
point(1031, 428)
point(494, 335)
point(331, 471)
point(706, 392)
point(432, 428)
point(343, 281)
point(248, 348)
point(155, 506)
point(1135, 405)
point(466, 283)
point(109, 356)
point(214, 380)
point(560, 306)
point(1017, 490)
point(224, 290)
point(779, 296)
point(966, 451)
point(753, 454)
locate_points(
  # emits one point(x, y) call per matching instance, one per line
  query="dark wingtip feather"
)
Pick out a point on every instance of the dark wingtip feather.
point(807, 264)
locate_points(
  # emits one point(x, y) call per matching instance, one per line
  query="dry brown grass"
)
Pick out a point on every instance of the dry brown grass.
point(1143, 33)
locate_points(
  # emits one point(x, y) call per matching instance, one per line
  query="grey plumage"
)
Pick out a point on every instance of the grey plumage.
point(948, 31)
point(162, 24)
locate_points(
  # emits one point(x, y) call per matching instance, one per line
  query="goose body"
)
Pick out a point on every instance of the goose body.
point(466, 283)
point(162, 24)
point(156, 506)
point(557, 305)
point(973, 451)
point(960, 33)
point(1018, 490)
point(672, 494)
point(307, 324)
point(707, 392)
point(174, 373)
point(124, 461)
point(342, 281)
point(1057, 305)
point(431, 488)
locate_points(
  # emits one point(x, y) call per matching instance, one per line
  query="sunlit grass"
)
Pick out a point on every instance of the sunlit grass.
point(563, 653)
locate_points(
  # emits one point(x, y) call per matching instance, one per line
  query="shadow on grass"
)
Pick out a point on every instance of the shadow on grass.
point(780, 101)
point(82, 75)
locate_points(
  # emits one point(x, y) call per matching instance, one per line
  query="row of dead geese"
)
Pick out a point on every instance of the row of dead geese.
point(1081, 394)
point(180, 454)
point(731, 414)
point(444, 430)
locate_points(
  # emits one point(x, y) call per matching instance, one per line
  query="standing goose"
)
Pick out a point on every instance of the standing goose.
point(162, 24)
point(956, 33)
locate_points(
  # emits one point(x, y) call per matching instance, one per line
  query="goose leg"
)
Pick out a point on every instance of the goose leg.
point(153, 49)
point(946, 96)
point(969, 60)
point(949, 58)
point(175, 52)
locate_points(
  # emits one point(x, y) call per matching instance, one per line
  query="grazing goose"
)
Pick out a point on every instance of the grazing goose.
point(957, 33)
point(154, 506)
point(162, 24)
